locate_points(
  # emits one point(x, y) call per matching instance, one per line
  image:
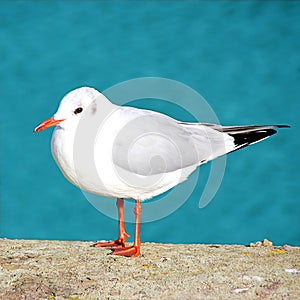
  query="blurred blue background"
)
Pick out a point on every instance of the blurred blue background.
point(243, 57)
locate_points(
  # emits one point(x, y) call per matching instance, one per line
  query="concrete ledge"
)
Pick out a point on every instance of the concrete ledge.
point(73, 270)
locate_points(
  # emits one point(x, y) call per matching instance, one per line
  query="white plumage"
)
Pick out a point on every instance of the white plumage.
point(125, 152)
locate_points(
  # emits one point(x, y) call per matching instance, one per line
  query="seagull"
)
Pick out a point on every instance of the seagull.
point(126, 152)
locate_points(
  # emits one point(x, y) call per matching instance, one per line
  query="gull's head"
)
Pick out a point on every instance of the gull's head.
point(71, 108)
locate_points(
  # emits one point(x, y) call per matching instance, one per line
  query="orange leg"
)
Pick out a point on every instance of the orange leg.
point(120, 241)
point(134, 250)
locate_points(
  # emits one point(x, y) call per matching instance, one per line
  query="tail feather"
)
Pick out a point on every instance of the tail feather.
point(247, 135)
point(240, 129)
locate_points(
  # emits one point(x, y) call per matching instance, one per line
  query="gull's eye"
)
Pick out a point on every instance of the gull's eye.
point(78, 110)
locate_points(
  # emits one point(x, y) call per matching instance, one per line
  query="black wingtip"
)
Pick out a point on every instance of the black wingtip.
point(247, 138)
point(283, 126)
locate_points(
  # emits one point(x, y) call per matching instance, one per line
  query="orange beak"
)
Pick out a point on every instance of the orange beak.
point(46, 124)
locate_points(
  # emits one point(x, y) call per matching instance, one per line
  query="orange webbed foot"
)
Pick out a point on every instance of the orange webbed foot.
point(119, 243)
point(132, 251)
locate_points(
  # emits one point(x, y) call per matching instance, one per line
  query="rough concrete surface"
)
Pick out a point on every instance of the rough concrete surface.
point(31, 269)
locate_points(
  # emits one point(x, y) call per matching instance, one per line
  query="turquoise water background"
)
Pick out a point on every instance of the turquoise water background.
point(243, 57)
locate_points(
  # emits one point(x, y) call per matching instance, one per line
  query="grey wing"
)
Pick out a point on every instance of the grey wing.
point(154, 143)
